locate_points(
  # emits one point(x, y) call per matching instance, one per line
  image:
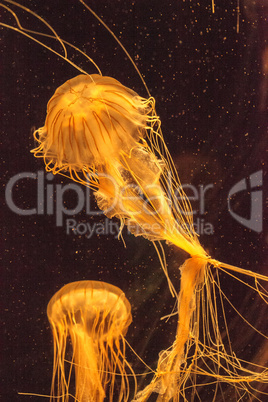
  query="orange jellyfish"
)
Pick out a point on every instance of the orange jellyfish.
point(98, 132)
point(95, 315)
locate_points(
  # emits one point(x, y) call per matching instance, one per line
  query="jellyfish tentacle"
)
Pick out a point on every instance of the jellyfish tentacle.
point(29, 34)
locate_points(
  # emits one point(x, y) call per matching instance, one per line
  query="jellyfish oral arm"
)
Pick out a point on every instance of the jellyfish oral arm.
point(87, 367)
point(192, 275)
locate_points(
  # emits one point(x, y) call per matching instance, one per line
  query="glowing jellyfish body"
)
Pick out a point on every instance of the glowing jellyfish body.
point(90, 120)
point(97, 131)
point(96, 316)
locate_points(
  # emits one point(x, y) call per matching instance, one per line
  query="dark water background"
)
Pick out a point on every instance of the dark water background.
point(209, 85)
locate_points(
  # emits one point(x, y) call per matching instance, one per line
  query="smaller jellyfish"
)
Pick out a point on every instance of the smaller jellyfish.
point(95, 315)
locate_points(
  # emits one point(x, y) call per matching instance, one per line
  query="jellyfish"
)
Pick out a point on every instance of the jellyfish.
point(105, 136)
point(95, 316)
point(97, 132)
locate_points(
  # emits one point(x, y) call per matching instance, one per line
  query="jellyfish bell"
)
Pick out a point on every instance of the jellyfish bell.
point(90, 121)
point(96, 316)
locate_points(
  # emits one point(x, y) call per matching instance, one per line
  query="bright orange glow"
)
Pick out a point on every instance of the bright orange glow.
point(104, 135)
point(90, 119)
point(96, 316)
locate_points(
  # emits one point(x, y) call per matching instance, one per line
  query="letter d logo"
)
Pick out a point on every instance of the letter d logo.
point(255, 220)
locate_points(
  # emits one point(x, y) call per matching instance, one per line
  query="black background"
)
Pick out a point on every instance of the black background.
point(209, 85)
